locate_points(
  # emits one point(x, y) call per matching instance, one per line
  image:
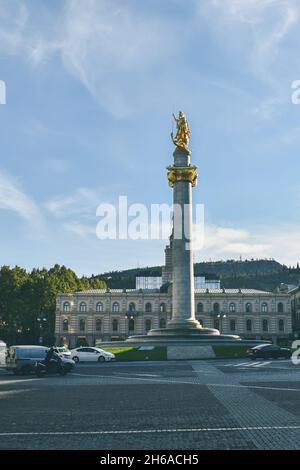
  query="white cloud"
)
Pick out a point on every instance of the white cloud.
point(83, 201)
point(107, 45)
point(14, 199)
point(260, 26)
point(278, 242)
point(104, 44)
point(80, 229)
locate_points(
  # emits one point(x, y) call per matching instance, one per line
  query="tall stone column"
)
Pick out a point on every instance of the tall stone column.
point(182, 177)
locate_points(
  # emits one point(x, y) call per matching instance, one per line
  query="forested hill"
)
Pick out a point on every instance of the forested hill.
point(259, 274)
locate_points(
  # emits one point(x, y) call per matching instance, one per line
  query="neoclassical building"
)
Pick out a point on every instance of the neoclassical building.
point(295, 306)
point(108, 315)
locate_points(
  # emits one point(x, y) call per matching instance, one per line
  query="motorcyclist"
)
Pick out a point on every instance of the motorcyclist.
point(49, 355)
point(53, 353)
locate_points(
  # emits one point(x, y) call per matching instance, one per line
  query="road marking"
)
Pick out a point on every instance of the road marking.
point(150, 431)
point(261, 364)
point(242, 364)
point(148, 375)
point(254, 386)
point(179, 382)
point(14, 381)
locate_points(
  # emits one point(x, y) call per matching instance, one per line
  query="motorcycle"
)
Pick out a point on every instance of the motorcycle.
point(58, 365)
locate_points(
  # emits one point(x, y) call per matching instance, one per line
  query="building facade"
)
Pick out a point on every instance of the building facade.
point(295, 307)
point(107, 315)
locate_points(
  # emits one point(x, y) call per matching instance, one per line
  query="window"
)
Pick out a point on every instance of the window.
point(280, 308)
point(115, 325)
point(82, 307)
point(116, 307)
point(264, 307)
point(131, 325)
point(200, 307)
point(99, 307)
point(249, 325)
point(66, 307)
point(82, 325)
point(162, 323)
point(66, 325)
point(148, 325)
point(131, 307)
point(216, 308)
point(148, 307)
point(162, 307)
point(265, 325)
point(231, 307)
point(98, 325)
point(232, 325)
point(281, 325)
point(216, 324)
point(248, 307)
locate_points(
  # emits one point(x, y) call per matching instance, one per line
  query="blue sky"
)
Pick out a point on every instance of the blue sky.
point(91, 86)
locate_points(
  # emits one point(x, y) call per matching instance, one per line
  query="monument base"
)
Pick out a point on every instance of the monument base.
point(178, 334)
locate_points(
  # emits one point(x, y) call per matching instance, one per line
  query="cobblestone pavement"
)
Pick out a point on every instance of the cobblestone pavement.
point(213, 404)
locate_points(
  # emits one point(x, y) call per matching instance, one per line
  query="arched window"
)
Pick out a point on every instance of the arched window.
point(280, 307)
point(232, 325)
point(115, 325)
point(131, 307)
point(249, 325)
point(148, 325)
point(131, 325)
point(264, 307)
point(115, 307)
point(199, 307)
point(66, 307)
point(82, 307)
point(232, 307)
point(148, 307)
point(162, 323)
point(65, 325)
point(99, 307)
point(98, 325)
point(216, 307)
point(281, 325)
point(265, 325)
point(162, 307)
point(216, 324)
point(82, 325)
point(248, 307)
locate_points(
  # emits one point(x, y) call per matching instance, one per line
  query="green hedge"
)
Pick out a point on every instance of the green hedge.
point(132, 353)
point(230, 350)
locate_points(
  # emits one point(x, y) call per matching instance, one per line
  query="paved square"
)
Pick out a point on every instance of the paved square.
point(216, 404)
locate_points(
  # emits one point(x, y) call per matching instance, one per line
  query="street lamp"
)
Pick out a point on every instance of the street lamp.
point(41, 321)
point(221, 316)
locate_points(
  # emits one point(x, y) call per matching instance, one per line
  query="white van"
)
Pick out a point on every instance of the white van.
point(22, 359)
point(2, 353)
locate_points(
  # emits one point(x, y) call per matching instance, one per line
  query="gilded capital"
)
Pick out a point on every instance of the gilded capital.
point(185, 173)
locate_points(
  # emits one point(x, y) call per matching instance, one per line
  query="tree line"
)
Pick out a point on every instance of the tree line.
point(28, 301)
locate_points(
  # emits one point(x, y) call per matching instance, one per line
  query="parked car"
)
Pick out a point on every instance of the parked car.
point(2, 353)
point(22, 359)
point(87, 354)
point(268, 351)
point(63, 351)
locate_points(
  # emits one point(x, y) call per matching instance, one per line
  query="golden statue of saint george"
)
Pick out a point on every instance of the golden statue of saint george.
point(182, 137)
